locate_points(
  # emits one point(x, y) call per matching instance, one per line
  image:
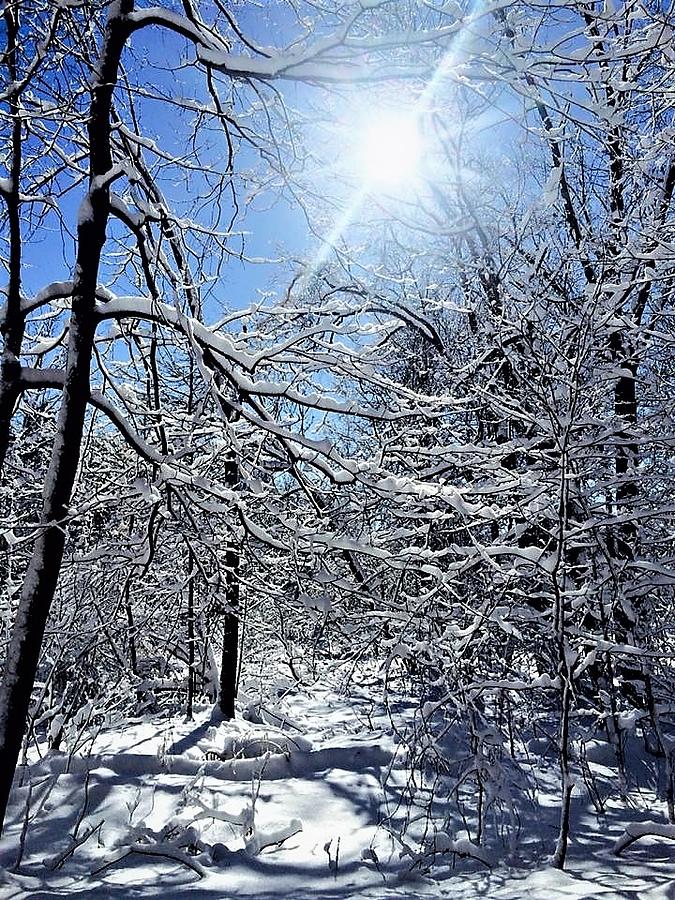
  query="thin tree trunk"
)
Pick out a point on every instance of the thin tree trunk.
point(191, 633)
point(564, 661)
point(229, 660)
point(560, 853)
point(229, 664)
point(131, 629)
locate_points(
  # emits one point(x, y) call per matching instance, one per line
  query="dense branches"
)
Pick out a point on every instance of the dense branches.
point(440, 440)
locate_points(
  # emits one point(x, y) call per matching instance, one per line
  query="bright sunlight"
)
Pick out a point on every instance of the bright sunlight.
point(391, 150)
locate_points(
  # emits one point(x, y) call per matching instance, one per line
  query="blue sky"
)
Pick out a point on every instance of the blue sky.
point(274, 226)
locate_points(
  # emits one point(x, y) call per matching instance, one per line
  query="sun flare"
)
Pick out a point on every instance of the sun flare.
point(391, 150)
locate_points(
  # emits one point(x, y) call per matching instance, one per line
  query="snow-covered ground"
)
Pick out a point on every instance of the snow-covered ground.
point(298, 800)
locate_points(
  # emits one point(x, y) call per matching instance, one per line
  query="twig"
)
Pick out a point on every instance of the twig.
point(24, 827)
point(59, 860)
point(162, 850)
point(85, 804)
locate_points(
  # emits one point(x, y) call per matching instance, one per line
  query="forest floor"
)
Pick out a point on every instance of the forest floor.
point(302, 799)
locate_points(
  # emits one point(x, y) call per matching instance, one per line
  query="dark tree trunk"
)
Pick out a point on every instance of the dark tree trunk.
point(229, 660)
point(45, 565)
point(627, 494)
point(191, 633)
point(228, 669)
point(12, 326)
point(626, 454)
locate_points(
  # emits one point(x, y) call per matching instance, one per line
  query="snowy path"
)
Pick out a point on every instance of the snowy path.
point(265, 810)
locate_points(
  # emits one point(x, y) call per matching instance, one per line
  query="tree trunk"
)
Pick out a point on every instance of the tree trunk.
point(192, 571)
point(560, 853)
point(45, 565)
point(12, 326)
point(228, 666)
point(229, 660)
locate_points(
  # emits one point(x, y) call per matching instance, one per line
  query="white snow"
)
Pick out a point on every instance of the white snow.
point(297, 799)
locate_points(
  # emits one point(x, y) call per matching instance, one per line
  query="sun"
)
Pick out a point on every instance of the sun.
point(390, 150)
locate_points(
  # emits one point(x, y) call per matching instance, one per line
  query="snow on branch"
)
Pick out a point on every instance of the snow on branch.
point(163, 313)
point(164, 849)
point(224, 346)
point(57, 290)
point(53, 378)
point(335, 58)
point(637, 830)
point(294, 69)
point(191, 30)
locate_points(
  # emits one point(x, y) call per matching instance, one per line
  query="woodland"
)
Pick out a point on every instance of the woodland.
point(337, 517)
